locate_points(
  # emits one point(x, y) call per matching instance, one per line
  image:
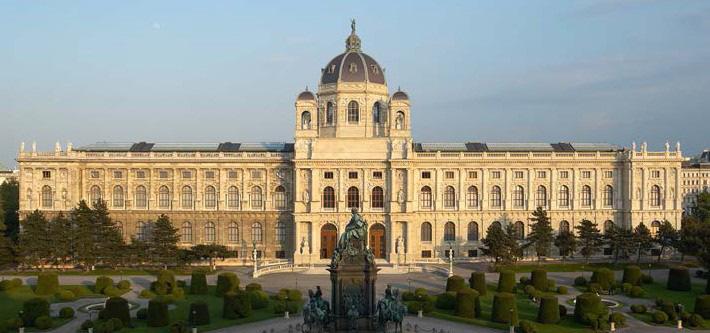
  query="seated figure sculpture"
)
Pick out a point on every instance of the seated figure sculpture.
point(353, 241)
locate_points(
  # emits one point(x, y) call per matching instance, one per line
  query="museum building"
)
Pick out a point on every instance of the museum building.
point(353, 148)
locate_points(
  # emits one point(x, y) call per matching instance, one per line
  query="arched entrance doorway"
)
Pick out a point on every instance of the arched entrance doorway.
point(378, 241)
point(328, 239)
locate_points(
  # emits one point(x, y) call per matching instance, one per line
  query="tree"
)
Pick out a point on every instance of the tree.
point(566, 242)
point(666, 237)
point(208, 251)
point(495, 243)
point(10, 198)
point(590, 239)
point(514, 250)
point(619, 240)
point(60, 236)
point(110, 241)
point(164, 239)
point(7, 248)
point(702, 207)
point(541, 236)
point(642, 241)
point(85, 236)
point(34, 239)
point(688, 242)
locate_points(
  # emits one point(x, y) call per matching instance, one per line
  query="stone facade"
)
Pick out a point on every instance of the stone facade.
point(696, 180)
point(353, 148)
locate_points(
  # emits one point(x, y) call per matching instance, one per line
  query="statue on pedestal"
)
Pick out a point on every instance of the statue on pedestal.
point(353, 242)
point(390, 309)
point(316, 313)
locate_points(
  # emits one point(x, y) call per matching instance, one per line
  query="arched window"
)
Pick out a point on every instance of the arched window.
point(496, 197)
point(305, 120)
point(655, 196)
point(257, 233)
point(141, 197)
point(353, 112)
point(330, 113)
point(564, 227)
point(280, 197)
point(563, 197)
point(586, 196)
point(142, 231)
point(353, 197)
point(186, 197)
point(163, 197)
point(426, 232)
point(210, 233)
point(378, 197)
point(655, 225)
point(377, 115)
point(496, 224)
point(117, 196)
point(425, 197)
point(255, 197)
point(233, 232)
point(449, 232)
point(472, 231)
point(541, 196)
point(186, 232)
point(399, 121)
point(233, 197)
point(608, 197)
point(449, 197)
point(608, 226)
point(95, 194)
point(519, 197)
point(210, 197)
point(47, 197)
point(328, 197)
point(519, 230)
point(472, 197)
point(280, 232)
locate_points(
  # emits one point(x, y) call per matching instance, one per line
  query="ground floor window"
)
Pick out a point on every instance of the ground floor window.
point(426, 254)
point(280, 254)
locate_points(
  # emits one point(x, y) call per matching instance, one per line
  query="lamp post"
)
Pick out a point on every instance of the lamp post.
point(451, 260)
point(680, 321)
point(194, 321)
point(22, 323)
point(512, 327)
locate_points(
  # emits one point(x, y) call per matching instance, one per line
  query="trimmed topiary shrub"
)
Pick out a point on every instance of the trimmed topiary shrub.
point(538, 279)
point(199, 313)
point(408, 296)
point(632, 275)
point(158, 315)
point(165, 283)
point(66, 312)
point(198, 283)
point(47, 284)
point(112, 291)
point(33, 309)
point(695, 320)
point(669, 308)
point(43, 322)
point(65, 295)
point(455, 283)
point(413, 307)
point(604, 277)
point(6, 285)
point(529, 290)
point(294, 295)
point(594, 287)
point(117, 324)
point(551, 285)
point(526, 326)
point(506, 281)
point(646, 279)
point(145, 293)
point(659, 317)
point(702, 306)
point(465, 303)
point(636, 292)
point(638, 308)
point(226, 282)
point(102, 282)
point(562, 310)
point(86, 324)
point(258, 299)
point(252, 286)
point(236, 305)
point(124, 285)
point(142, 314)
point(117, 307)
point(588, 308)
point(580, 281)
point(477, 282)
point(179, 327)
point(618, 318)
point(502, 303)
point(549, 311)
point(562, 290)
point(178, 293)
point(678, 279)
point(447, 300)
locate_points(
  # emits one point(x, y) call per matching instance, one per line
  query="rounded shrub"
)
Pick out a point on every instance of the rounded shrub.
point(198, 283)
point(165, 283)
point(117, 324)
point(142, 314)
point(529, 290)
point(47, 284)
point(538, 278)
point(526, 326)
point(502, 303)
point(226, 282)
point(588, 304)
point(199, 313)
point(66, 312)
point(124, 285)
point(549, 311)
point(65, 295)
point(145, 293)
point(562, 290)
point(86, 324)
point(408, 296)
point(679, 279)
point(102, 282)
point(668, 307)
point(112, 291)
point(294, 295)
point(258, 299)
point(604, 277)
point(551, 285)
point(236, 305)
point(178, 293)
point(465, 303)
point(477, 282)
point(506, 281)
point(580, 281)
point(253, 286)
point(455, 283)
point(158, 315)
point(646, 279)
point(695, 320)
point(659, 317)
point(43, 322)
point(6, 285)
point(413, 307)
point(117, 307)
point(638, 308)
point(632, 275)
point(618, 318)
point(33, 309)
point(636, 292)
point(594, 287)
point(562, 310)
point(447, 300)
point(702, 306)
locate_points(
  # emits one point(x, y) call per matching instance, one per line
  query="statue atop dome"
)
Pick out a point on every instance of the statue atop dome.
point(352, 43)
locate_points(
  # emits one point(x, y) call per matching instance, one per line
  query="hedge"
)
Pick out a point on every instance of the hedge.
point(236, 305)
point(538, 278)
point(142, 314)
point(696, 320)
point(668, 307)
point(198, 283)
point(604, 277)
point(258, 299)
point(702, 306)
point(477, 282)
point(679, 279)
point(455, 283)
point(632, 275)
point(466, 303)
point(549, 311)
point(43, 322)
point(253, 286)
point(506, 281)
point(562, 290)
point(618, 318)
point(47, 284)
point(636, 292)
point(6, 285)
point(526, 327)
point(112, 291)
point(502, 303)
point(102, 282)
point(124, 285)
point(447, 300)
point(158, 315)
point(580, 281)
point(117, 307)
point(165, 283)
point(65, 295)
point(562, 310)
point(638, 308)
point(226, 282)
point(588, 304)
point(199, 313)
point(659, 317)
point(33, 309)
point(66, 312)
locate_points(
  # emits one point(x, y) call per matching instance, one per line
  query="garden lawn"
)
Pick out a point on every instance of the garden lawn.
point(658, 290)
point(11, 301)
point(574, 267)
point(115, 272)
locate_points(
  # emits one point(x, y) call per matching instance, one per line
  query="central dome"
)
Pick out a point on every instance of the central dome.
point(353, 65)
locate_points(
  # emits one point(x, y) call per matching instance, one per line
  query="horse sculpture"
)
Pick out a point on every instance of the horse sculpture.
point(390, 309)
point(316, 314)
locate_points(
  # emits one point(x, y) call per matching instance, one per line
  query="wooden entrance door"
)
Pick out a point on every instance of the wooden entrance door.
point(328, 238)
point(378, 241)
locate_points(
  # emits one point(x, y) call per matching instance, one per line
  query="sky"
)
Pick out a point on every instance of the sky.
point(491, 71)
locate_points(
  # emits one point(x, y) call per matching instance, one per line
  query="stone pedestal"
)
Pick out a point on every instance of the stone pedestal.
point(353, 288)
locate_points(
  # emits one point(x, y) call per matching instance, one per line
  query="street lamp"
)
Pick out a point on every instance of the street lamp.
point(21, 329)
point(512, 328)
point(194, 321)
point(451, 260)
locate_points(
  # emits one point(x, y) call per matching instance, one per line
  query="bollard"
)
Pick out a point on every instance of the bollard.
point(420, 314)
point(91, 330)
point(21, 330)
point(613, 327)
point(286, 315)
point(194, 330)
point(680, 324)
point(512, 329)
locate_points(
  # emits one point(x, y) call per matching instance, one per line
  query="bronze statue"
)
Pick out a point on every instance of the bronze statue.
point(356, 229)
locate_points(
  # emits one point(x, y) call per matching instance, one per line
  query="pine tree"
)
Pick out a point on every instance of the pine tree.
point(34, 239)
point(514, 250)
point(164, 241)
point(60, 236)
point(109, 242)
point(666, 237)
point(541, 236)
point(495, 243)
point(7, 248)
point(619, 240)
point(642, 241)
point(84, 235)
point(702, 207)
point(566, 242)
point(590, 240)
point(10, 197)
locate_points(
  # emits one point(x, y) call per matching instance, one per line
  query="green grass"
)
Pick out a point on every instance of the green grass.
point(11, 301)
point(658, 290)
point(574, 267)
point(113, 272)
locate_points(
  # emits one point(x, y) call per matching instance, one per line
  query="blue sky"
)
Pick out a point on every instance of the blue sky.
point(611, 71)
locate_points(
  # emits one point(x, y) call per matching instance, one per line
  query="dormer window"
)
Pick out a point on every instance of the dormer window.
point(375, 69)
point(353, 67)
point(331, 69)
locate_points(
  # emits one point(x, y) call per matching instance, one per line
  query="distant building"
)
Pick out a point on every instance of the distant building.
point(7, 174)
point(696, 179)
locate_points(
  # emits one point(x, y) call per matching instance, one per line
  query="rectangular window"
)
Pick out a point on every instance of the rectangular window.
point(518, 175)
point(426, 174)
point(352, 175)
point(377, 174)
point(280, 254)
point(140, 174)
point(94, 174)
point(163, 174)
point(209, 174)
point(495, 174)
point(586, 174)
point(656, 174)
point(46, 174)
point(232, 174)
point(256, 174)
point(473, 174)
point(328, 175)
point(564, 174)
point(117, 174)
point(608, 174)
point(473, 253)
point(187, 174)
point(426, 254)
point(541, 174)
point(449, 175)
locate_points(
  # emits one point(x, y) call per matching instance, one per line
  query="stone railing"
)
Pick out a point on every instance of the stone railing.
point(278, 267)
point(519, 155)
point(89, 155)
